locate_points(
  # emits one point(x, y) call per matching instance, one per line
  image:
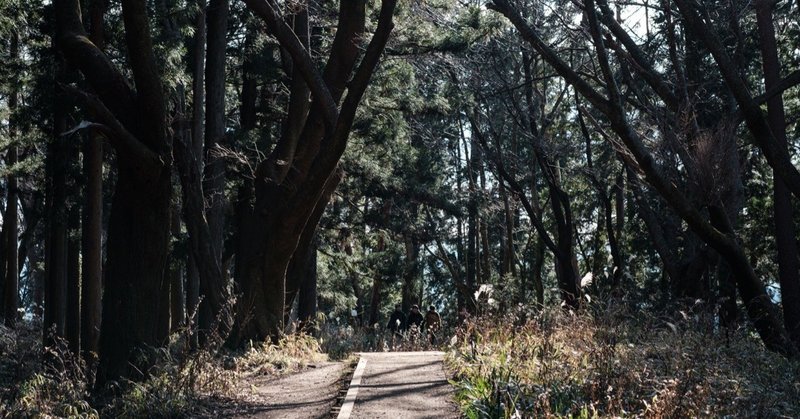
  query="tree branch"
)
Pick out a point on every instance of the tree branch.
point(301, 58)
point(123, 141)
point(777, 157)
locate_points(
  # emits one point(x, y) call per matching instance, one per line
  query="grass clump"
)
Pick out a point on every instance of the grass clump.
point(41, 382)
point(292, 353)
point(610, 362)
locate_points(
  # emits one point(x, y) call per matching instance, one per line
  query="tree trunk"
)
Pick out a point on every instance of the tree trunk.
point(300, 271)
point(307, 296)
point(55, 298)
point(377, 282)
point(136, 296)
point(10, 228)
point(10, 219)
point(92, 231)
point(92, 250)
point(788, 263)
point(177, 290)
point(214, 182)
point(73, 324)
point(410, 273)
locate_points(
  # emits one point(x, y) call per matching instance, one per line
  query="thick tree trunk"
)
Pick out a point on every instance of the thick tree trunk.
point(300, 271)
point(788, 263)
point(136, 296)
point(214, 182)
point(307, 295)
point(92, 231)
point(92, 257)
point(55, 298)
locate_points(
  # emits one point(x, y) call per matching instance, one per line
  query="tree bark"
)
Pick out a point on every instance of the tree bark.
point(214, 182)
point(788, 263)
point(73, 324)
point(10, 219)
point(55, 298)
point(136, 296)
point(300, 272)
point(92, 231)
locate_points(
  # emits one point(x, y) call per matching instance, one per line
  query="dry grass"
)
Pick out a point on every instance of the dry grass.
point(612, 363)
point(292, 353)
point(40, 382)
point(52, 382)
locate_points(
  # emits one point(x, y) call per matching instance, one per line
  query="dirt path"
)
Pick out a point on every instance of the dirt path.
point(308, 394)
point(402, 385)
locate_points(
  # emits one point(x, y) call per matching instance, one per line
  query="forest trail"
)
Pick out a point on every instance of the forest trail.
point(399, 385)
point(310, 393)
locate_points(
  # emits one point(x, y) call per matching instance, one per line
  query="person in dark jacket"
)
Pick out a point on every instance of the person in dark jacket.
point(397, 321)
point(433, 322)
point(415, 318)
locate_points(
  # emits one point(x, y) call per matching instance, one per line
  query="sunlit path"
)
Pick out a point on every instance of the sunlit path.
point(400, 385)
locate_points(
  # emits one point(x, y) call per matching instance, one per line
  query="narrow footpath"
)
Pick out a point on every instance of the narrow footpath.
point(399, 385)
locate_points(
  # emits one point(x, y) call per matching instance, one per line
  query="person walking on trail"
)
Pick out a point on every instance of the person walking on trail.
point(415, 318)
point(397, 323)
point(414, 324)
point(433, 322)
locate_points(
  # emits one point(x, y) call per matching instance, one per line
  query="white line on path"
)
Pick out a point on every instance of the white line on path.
point(352, 392)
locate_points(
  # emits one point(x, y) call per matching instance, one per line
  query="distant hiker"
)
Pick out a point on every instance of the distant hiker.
point(397, 321)
point(415, 318)
point(414, 324)
point(433, 322)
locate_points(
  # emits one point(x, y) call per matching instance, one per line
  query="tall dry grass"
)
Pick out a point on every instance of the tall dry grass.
point(610, 361)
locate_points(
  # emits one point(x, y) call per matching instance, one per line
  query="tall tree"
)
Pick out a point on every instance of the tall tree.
point(716, 230)
point(284, 198)
point(788, 262)
point(10, 218)
point(136, 294)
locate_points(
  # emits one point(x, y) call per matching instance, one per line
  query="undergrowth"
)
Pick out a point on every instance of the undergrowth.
point(37, 381)
point(610, 362)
